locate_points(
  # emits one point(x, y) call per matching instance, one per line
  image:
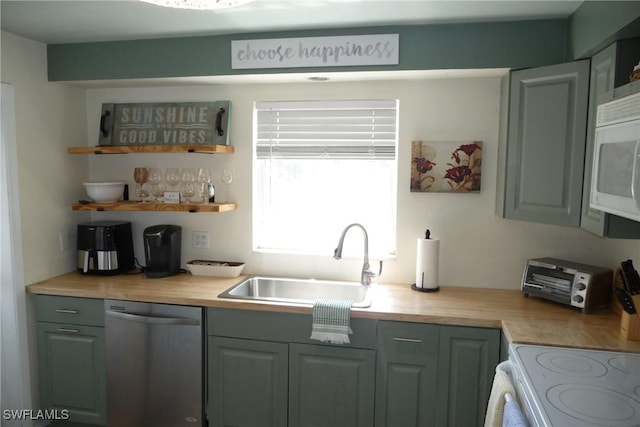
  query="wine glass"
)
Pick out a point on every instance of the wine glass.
point(227, 178)
point(204, 178)
point(188, 189)
point(155, 179)
point(140, 176)
point(173, 177)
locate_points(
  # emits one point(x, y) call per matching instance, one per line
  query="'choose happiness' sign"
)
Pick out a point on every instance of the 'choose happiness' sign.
point(377, 49)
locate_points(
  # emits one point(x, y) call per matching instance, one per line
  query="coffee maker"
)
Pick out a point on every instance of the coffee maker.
point(105, 248)
point(162, 246)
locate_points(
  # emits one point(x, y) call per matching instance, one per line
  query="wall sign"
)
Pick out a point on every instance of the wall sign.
point(338, 51)
point(172, 123)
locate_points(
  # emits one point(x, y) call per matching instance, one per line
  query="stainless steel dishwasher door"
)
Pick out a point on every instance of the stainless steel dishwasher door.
point(155, 374)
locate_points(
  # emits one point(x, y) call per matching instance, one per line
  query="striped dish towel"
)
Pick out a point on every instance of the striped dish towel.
point(513, 416)
point(331, 320)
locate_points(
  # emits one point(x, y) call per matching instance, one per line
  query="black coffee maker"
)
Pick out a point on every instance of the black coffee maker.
point(105, 248)
point(162, 246)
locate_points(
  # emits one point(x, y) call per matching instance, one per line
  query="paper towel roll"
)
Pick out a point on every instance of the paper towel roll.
point(427, 264)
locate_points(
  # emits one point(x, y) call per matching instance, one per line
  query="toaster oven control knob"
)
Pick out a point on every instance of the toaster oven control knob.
point(578, 298)
point(581, 286)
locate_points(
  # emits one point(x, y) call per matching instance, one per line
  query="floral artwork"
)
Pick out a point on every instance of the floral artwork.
point(446, 166)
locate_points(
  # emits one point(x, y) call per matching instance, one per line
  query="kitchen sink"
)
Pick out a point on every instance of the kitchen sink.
point(300, 291)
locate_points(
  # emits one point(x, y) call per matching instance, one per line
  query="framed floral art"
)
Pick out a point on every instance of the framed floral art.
point(446, 166)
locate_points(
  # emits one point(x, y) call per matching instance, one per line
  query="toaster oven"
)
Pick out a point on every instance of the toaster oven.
point(571, 283)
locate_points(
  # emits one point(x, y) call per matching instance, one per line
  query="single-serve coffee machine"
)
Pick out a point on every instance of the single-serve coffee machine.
point(105, 248)
point(162, 246)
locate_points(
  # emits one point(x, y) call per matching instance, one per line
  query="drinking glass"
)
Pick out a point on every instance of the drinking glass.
point(227, 178)
point(204, 178)
point(173, 177)
point(155, 179)
point(188, 189)
point(140, 176)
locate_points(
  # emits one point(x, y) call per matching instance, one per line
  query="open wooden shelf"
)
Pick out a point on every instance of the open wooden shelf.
point(150, 206)
point(124, 149)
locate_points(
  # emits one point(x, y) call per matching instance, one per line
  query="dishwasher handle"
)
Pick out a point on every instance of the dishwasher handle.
point(155, 320)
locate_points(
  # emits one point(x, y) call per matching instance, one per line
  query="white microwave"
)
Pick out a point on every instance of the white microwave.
point(615, 180)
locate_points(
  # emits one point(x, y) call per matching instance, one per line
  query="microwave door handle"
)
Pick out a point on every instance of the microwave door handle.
point(634, 175)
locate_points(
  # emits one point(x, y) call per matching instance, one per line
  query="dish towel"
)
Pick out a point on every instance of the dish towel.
point(331, 321)
point(501, 386)
point(513, 416)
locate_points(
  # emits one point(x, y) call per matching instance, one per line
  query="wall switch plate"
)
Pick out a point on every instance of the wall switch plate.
point(201, 239)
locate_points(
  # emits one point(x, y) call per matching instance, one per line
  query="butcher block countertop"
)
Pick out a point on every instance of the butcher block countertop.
point(523, 320)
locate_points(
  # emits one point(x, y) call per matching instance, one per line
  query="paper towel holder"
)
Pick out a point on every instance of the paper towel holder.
point(421, 279)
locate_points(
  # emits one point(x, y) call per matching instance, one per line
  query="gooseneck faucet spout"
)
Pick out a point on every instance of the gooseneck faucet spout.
point(367, 274)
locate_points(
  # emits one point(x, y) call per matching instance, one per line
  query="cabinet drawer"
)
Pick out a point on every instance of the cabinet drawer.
point(406, 339)
point(281, 327)
point(70, 310)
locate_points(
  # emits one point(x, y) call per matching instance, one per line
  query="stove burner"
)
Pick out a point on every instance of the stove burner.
point(595, 405)
point(575, 365)
point(625, 364)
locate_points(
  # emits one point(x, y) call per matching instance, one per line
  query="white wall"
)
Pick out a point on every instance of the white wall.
point(478, 248)
point(49, 117)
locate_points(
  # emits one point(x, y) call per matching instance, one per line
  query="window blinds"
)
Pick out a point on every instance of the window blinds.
point(327, 129)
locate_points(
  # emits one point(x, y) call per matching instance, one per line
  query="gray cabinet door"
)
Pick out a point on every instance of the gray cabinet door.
point(603, 70)
point(468, 357)
point(406, 373)
point(546, 142)
point(247, 383)
point(331, 386)
point(72, 370)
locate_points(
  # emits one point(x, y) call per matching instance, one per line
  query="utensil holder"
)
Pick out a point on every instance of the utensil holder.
point(630, 323)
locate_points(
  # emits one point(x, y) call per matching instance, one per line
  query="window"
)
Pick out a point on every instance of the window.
point(320, 166)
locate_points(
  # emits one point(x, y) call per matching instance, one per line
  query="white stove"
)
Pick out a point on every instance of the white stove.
point(566, 387)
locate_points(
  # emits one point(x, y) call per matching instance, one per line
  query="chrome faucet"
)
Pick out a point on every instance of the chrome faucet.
point(367, 274)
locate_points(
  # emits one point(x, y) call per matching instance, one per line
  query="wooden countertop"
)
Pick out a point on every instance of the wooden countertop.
point(523, 320)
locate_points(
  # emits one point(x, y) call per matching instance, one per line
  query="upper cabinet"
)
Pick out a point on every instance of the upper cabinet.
point(544, 157)
point(547, 137)
point(610, 68)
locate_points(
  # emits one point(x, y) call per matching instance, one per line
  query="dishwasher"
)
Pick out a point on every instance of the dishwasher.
point(155, 365)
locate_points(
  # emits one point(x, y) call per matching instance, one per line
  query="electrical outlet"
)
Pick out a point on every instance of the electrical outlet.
point(64, 240)
point(201, 239)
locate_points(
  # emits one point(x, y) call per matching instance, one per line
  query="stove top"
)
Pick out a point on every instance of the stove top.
point(574, 387)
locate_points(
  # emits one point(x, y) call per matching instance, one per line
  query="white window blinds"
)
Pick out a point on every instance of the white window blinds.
point(327, 129)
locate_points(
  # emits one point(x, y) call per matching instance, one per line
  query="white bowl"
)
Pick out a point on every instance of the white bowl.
point(104, 192)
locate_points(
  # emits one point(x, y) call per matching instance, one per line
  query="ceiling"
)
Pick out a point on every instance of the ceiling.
point(89, 21)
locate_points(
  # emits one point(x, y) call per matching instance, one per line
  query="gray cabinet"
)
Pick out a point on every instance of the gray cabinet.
point(265, 371)
point(467, 358)
point(330, 386)
point(247, 382)
point(545, 143)
point(601, 89)
point(406, 374)
point(71, 358)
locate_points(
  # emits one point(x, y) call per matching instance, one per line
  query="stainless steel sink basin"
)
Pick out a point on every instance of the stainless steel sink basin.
point(300, 291)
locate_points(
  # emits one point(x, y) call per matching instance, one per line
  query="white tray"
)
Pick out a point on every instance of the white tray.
point(215, 268)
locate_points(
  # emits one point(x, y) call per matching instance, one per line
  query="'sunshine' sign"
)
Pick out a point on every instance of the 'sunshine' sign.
point(338, 51)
